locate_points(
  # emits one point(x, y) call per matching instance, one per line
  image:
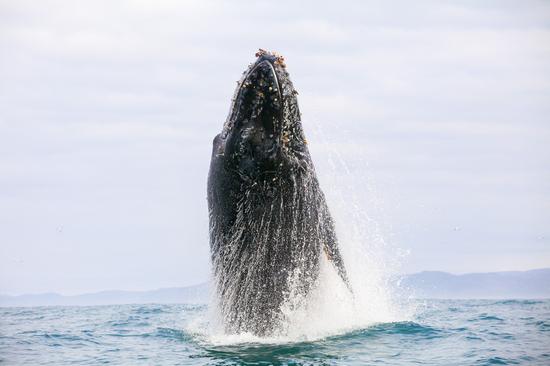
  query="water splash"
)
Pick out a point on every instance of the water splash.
point(371, 263)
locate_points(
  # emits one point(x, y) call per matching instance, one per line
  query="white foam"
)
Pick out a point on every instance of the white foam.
point(331, 309)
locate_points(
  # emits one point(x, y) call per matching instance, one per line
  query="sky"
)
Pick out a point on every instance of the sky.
point(434, 114)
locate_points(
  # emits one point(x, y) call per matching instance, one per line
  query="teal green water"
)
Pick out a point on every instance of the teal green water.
point(450, 332)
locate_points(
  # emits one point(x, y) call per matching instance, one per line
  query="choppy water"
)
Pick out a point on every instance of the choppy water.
point(466, 332)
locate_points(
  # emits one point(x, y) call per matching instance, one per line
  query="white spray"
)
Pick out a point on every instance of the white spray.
point(370, 262)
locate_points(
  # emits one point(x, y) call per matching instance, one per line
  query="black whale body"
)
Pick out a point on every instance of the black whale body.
point(269, 222)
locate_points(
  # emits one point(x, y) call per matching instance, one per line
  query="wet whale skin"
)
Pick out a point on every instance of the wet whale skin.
point(269, 221)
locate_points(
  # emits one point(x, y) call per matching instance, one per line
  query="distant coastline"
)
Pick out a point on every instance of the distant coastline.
point(197, 294)
point(533, 284)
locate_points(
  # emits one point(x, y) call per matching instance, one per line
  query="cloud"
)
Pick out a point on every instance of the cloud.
point(107, 112)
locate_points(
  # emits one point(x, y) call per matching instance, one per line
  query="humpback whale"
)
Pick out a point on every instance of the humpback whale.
point(269, 221)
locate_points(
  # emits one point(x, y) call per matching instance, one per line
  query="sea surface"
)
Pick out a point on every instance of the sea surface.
point(441, 332)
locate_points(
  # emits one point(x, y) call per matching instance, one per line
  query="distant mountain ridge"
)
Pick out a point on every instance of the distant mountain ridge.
point(429, 284)
point(198, 294)
point(511, 284)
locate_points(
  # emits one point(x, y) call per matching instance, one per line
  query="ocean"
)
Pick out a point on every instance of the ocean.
point(437, 332)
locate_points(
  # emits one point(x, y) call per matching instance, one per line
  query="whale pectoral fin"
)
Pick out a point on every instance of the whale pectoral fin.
point(334, 256)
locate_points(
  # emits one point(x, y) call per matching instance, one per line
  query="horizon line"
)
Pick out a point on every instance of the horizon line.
point(208, 280)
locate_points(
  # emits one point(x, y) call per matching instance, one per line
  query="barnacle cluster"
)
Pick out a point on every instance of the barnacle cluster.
point(279, 59)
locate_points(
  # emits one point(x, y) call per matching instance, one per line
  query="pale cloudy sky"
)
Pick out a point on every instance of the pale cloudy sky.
point(437, 111)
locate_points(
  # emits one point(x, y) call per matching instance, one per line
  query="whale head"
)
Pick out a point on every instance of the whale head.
point(263, 132)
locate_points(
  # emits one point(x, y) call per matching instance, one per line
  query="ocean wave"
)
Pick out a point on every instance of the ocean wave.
point(518, 302)
point(497, 334)
point(486, 317)
point(174, 334)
